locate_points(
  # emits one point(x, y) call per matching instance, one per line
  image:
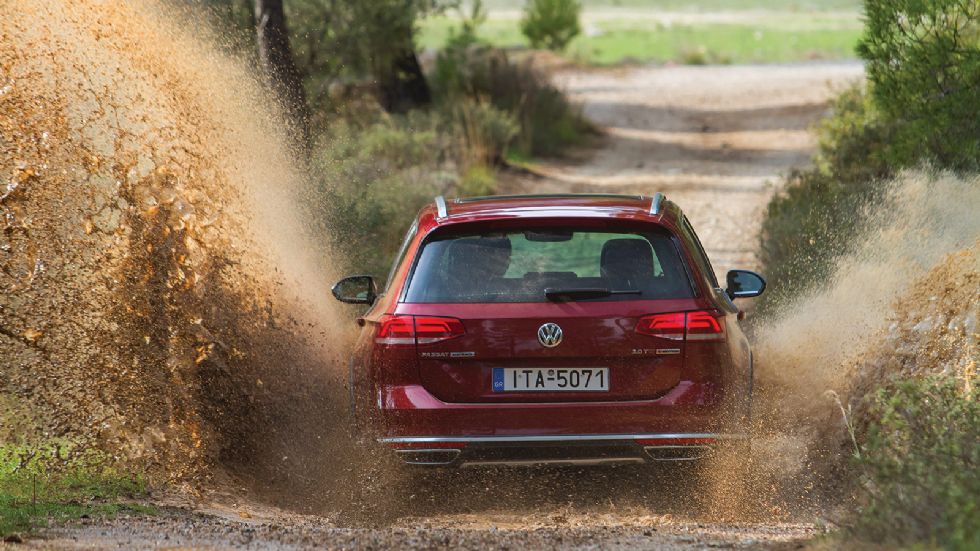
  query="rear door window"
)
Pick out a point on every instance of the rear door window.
point(699, 255)
point(525, 265)
point(412, 230)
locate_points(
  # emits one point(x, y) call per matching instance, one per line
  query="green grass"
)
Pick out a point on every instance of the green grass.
point(715, 44)
point(34, 494)
point(515, 157)
point(19, 517)
point(698, 5)
point(614, 37)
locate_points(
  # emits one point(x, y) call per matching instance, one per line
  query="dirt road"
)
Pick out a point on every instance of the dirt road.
point(658, 507)
point(714, 139)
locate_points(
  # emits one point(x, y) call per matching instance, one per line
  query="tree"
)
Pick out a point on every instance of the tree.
point(401, 85)
point(551, 24)
point(924, 67)
point(343, 40)
point(388, 34)
point(276, 57)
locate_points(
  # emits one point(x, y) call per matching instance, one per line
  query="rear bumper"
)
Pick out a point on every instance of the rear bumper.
point(691, 407)
point(686, 423)
point(565, 450)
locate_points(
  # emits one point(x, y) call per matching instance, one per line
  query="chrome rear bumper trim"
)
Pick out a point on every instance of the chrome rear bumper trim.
point(541, 462)
point(560, 438)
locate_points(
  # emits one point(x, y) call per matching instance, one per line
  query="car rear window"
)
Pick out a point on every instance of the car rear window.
point(527, 265)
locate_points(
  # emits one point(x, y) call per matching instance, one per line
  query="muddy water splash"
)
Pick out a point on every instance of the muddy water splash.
point(159, 295)
point(904, 303)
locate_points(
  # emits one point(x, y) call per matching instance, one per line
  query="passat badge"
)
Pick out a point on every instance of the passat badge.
point(549, 335)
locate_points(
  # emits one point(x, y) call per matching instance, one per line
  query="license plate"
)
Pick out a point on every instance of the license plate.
point(536, 379)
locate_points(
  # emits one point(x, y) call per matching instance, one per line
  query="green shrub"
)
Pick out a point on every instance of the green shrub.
point(920, 459)
point(855, 142)
point(923, 107)
point(481, 132)
point(476, 182)
point(813, 219)
point(453, 71)
point(547, 122)
point(924, 68)
point(551, 24)
point(371, 181)
point(703, 56)
point(372, 178)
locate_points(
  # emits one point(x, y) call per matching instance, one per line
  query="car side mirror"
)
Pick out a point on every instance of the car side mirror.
point(744, 284)
point(359, 289)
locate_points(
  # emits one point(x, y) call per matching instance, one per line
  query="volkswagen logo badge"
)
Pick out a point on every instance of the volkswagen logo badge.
point(549, 335)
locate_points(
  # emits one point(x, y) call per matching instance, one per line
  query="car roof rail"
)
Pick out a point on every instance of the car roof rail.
point(547, 196)
point(657, 204)
point(441, 210)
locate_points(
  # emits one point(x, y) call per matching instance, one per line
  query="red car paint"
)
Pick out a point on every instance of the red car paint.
point(680, 369)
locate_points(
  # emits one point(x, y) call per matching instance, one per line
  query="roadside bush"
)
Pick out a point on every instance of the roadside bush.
point(922, 106)
point(481, 132)
point(547, 122)
point(371, 181)
point(924, 68)
point(477, 181)
point(919, 459)
point(813, 219)
point(373, 177)
point(551, 24)
point(703, 56)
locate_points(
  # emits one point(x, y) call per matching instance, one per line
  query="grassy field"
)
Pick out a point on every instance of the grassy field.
point(707, 31)
point(32, 495)
point(698, 5)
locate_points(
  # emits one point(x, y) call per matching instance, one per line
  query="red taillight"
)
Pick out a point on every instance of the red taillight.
point(431, 329)
point(703, 326)
point(665, 326)
point(405, 330)
point(395, 330)
point(696, 326)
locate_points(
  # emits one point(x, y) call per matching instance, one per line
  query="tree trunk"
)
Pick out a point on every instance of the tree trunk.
point(277, 60)
point(402, 86)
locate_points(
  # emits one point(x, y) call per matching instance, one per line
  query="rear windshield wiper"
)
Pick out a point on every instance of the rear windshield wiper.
point(582, 293)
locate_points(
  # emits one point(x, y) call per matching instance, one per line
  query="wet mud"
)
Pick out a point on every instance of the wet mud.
point(159, 299)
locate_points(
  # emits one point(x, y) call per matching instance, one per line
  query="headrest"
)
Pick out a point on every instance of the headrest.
point(627, 258)
point(478, 257)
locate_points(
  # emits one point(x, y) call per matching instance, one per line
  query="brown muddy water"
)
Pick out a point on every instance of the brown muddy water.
point(162, 299)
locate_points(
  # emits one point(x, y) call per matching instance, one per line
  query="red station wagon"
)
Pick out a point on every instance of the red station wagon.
point(570, 329)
